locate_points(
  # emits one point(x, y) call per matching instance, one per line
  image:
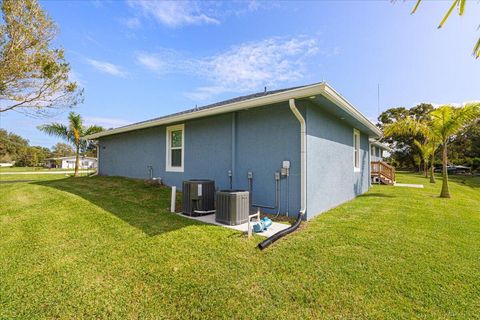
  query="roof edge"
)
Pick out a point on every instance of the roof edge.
point(302, 92)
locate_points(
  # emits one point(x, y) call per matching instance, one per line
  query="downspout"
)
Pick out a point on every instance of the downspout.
point(303, 156)
point(303, 180)
point(234, 148)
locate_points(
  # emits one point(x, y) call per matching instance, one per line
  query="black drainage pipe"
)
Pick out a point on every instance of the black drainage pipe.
point(265, 243)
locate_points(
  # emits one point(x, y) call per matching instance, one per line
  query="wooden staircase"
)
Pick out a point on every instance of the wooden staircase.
point(382, 172)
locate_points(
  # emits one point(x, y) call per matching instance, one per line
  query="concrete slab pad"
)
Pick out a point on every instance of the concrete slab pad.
point(210, 219)
point(408, 185)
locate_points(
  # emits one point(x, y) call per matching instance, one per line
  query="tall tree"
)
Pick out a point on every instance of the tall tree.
point(73, 133)
point(446, 122)
point(34, 77)
point(404, 143)
point(465, 148)
point(12, 146)
point(62, 150)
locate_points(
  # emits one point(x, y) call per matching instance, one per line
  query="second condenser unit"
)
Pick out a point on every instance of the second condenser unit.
point(232, 206)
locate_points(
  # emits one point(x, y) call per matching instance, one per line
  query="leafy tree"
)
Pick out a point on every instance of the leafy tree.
point(12, 146)
point(62, 150)
point(34, 77)
point(460, 4)
point(465, 148)
point(404, 143)
point(73, 133)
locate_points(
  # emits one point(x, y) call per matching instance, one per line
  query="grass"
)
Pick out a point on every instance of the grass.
point(107, 248)
point(31, 177)
point(35, 169)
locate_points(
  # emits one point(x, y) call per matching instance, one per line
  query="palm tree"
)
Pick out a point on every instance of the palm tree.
point(446, 122)
point(73, 133)
point(424, 149)
point(427, 143)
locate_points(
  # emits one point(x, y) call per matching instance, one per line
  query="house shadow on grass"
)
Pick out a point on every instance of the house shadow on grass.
point(144, 207)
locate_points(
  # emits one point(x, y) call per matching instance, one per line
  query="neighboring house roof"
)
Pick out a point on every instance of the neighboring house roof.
point(380, 145)
point(251, 101)
point(71, 157)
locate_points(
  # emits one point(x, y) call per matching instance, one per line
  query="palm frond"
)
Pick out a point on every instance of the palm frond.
point(75, 121)
point(461, 9)
point(476, 49)
point(55, 129)
point(454, 4)
point(416, 7)
point(92, 129)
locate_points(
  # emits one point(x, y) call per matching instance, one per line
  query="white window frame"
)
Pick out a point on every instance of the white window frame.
point(356, 151)
point(168, 148)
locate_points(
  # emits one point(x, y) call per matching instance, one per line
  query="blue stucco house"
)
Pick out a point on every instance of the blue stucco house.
point(298, 149)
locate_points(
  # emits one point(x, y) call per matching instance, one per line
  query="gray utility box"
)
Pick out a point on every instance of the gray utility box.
point(232, 207)
point(198, 195)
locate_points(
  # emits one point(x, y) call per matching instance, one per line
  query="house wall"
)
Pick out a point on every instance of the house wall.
point(67, 163)
point(331, 179)
point(263, 138)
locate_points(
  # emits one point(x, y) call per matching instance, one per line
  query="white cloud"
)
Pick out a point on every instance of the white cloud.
point(153, 62)
point(243, 68)
point(105, 122)
point(174, 13)
point(108, 67)
point(132, 23)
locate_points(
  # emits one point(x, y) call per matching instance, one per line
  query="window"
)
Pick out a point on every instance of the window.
point(175, 146)
point(356, 150)
point(373, 151)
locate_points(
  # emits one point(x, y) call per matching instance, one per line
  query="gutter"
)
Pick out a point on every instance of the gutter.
point(303, 156)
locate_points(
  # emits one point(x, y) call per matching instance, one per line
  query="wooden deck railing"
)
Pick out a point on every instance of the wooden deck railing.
point(380, 168)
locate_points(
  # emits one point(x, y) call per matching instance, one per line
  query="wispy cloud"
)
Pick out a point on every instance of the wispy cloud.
point(174, 13)
point(105, 122)
point(151, 61)
point(108, 67)
point(131, 23)
point(242, 68)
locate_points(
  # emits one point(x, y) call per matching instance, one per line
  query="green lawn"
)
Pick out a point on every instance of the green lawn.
point(24, 169)
point(35, 169)
point(107, 248)
point(31, 177)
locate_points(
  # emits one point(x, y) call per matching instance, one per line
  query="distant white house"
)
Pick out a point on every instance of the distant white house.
point(6, 164)
point(69, 162)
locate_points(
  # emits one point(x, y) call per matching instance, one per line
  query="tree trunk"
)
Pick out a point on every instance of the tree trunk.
point(432, 169)
point(445, 193)
point(77, 154)
point(425, 168)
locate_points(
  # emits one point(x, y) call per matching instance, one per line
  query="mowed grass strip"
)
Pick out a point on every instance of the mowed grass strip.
point(106, 247)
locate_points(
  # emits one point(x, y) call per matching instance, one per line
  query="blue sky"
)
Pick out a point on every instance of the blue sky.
point(139, 60)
